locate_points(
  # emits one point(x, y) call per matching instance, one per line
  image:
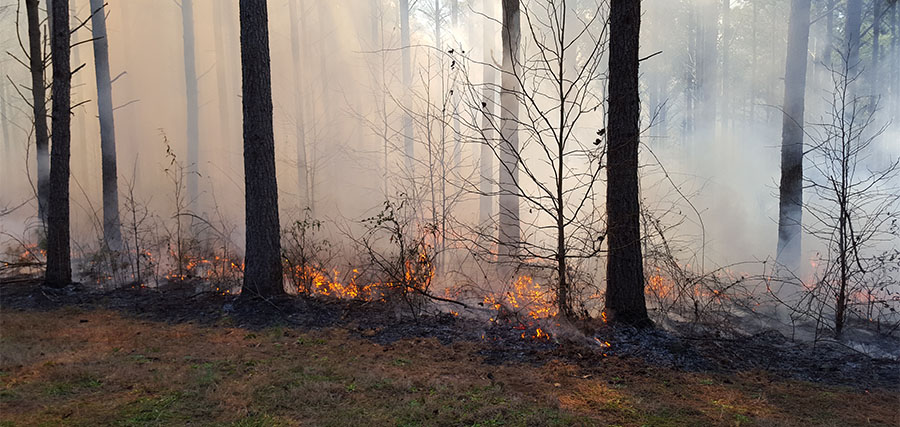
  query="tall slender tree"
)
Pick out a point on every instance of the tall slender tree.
point(852, 24)
point(510, 227)
point(224, 19)
point(624, 267)
point(408, 147)
point(59, 266)
point(193, 104)
point(486, 184)
point(112, 234)
point(4, 116)
point(296, 50)
point(791, 187)
point(262, 272)
point(39, 106)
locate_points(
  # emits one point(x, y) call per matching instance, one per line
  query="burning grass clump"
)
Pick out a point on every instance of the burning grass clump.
point(22, 259)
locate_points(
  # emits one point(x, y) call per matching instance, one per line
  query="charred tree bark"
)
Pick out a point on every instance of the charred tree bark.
point(59, 265)
point(262, 273)
point(193, 106)
point(791, 187)
point(510, 228)
point(112, 234)
point(302, 170)
point(624, 270)
point(486, 184)
point(39, 107)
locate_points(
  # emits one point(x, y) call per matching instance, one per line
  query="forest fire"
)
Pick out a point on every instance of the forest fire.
point(316, 281)
point(524, 296)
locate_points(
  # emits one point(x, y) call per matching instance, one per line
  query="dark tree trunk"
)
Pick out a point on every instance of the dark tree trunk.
point(193, 106)
point(112, 234)
point(59, 265)
point(262, 272)
point(791, 188)
point(510, 232)
point(39, 104)
point(624, 270)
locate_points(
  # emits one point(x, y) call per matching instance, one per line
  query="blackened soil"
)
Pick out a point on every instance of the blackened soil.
point(499, 341)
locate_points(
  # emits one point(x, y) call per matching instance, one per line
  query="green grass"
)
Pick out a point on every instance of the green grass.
point(119, 371)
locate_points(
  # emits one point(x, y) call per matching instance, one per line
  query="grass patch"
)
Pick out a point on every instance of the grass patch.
point(119, 371)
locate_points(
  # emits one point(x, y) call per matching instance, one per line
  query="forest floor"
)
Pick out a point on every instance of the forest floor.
point(141, 357)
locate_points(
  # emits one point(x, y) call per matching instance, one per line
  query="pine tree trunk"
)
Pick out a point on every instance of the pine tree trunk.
point(39, 104)
point(510, 233)
point(624, 270)
point(791, 187)
point(193, 106)
point(262, 272)
point(59, 265)
point(296, 48)
point(112, 233)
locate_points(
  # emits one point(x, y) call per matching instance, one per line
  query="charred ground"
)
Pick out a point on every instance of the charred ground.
point(501, 340)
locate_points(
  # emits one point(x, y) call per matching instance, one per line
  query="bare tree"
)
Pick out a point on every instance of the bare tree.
point(856, 203)
point(555, 170)
point(59, 265)
point(263, 272)
point(791, 188)
point(112, 234)
point(37, 63)
point(624, 266)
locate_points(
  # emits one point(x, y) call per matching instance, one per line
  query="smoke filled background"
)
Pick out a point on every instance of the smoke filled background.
point(712, 88)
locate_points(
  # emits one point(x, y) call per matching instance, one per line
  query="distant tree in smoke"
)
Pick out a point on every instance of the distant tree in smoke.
point(791, 187)
point(112, 234)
